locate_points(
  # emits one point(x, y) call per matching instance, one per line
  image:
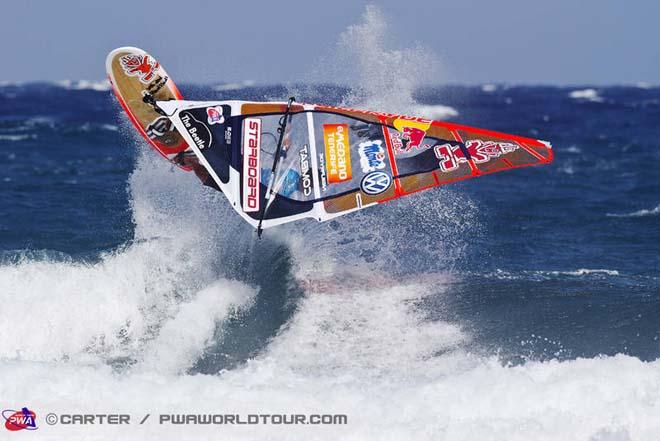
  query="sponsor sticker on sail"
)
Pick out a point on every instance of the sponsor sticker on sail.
point(251, 170)
point(337, 153)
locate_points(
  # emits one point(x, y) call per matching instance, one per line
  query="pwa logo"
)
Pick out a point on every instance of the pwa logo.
point(23, 419)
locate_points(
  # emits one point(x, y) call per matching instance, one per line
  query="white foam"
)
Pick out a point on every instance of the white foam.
point(437, 111)
point(87, 127)
point(573, 149)
point(544, 275)
point(567, 168)
point(586, 271)
point(488, 88)
point(453, 396)
point(639, 213)
point(184, 336)
point(363, 332)
point(587, 95)
point(234, 86)
point(373, 69)
point(99, 86)
point(15, 138)
point(115, 308)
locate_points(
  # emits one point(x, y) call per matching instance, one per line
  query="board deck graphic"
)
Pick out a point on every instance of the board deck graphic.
point(132, 73)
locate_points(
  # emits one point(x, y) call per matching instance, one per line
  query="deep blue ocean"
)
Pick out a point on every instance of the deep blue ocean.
point(543, 264)
point(568, 252)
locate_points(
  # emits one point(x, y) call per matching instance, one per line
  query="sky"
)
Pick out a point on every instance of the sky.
point(561, 42)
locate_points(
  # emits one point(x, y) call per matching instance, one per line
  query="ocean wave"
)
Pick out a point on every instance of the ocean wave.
point(16, 138)
point(643, 85)
point(463, 397)
point(488, 88)
point(567, 168)
point(119, 306)
point(586, 95)
point(544, 275)
point(365, 57)
point(585, 272)
point(639, 213)
point(233, 86)
point(436, 111)
point(39, 122)
point(89, 127)
point(99, 86)
point(573, 149)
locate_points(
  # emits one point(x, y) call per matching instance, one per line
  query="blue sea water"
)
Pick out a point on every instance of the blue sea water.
point(568, 252)
point(538, 265)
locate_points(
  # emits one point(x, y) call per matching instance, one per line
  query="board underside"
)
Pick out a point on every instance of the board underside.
point(132, 72)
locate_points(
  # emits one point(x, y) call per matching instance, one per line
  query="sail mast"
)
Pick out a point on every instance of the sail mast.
point(278, 153)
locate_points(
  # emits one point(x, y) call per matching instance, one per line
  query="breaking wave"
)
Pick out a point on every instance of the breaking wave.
point(15, 138)
point(639, 213)
point(436, 111)
point(99, 86)
point(586, 95)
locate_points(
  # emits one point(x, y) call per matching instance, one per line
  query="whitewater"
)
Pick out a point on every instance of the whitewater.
point(355, 316)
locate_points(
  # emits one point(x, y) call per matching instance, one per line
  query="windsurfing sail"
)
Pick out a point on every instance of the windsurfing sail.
point(280, 162)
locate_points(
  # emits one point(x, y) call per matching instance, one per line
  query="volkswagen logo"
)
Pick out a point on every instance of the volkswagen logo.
point(376, 182)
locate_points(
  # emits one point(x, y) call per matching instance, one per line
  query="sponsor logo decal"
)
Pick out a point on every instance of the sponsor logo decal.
point(141, 66)
point(215, 115)
point(251, 168)
point(399, 144)
point(324, 179)
point(337, 152)
point(305, 172)
point(159, 127)
point(450, 156)
point(376, 182)
point(372, 156)
point(413, 131)
point(198, 131)
point(228, 135)
point(23, 419)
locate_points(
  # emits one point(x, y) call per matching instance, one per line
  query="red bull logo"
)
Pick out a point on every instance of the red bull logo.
point(451, 155)
point(141, 66)
point(413, 131)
